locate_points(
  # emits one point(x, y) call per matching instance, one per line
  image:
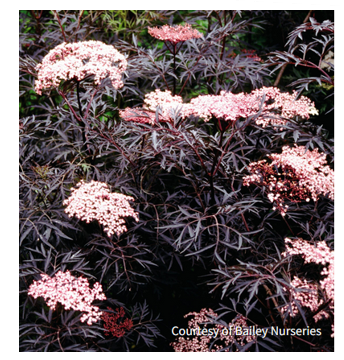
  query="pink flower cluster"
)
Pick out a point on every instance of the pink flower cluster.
point(307, 295)
point(321, 254)
point(72, 293)
point(294, 175)
point(276, 109)
point(226, 106)
point(202, 343)
point(79, 60)
point(174, 34)
point(164, 99)
point(279, 106)
point(94, 201)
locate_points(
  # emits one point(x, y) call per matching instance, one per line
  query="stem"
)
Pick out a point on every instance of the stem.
point(279, 76)
point(168, 47)
point(242, 215)
point(80, 120)
point(174, 52)
point(224, 150)
point(69, 105)
point(212, 190)
point(115, 144)
point(78, 95)
point(174, 69)
point(59, 21)
point(89, 103)
point(84, 136)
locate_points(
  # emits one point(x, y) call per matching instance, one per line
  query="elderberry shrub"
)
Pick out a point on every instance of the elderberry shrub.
point(166, 176)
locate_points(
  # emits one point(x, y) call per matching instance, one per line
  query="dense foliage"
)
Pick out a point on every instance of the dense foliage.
point(170, 171)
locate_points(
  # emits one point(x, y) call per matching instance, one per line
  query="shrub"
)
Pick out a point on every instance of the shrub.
point(148, 166)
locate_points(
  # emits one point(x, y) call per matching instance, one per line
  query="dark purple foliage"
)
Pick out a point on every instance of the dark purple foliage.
point(203, 240)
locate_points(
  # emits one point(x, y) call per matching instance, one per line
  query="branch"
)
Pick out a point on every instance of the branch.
point(279, 76)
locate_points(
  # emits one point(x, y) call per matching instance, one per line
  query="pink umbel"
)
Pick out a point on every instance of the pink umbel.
point(279, 106)
point(94, 201)
point(202, 343)
point(80, 60)
point(319, 254)
point(73, 293)
point(165, 100)
point(295, 174)
point(162, 99)
point(276, 107)
point(307, 295)
point(175, 33)
point(226, 106)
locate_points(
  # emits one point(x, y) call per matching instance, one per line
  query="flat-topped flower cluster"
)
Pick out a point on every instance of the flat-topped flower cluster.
point(146, 115)
point(94, 201)
point(295, 175)
point(73, 293)
point(80, 60)
point(174, 34)
point(319, 254)
point(276, 107)
point(203, 343)
point(306, 293)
